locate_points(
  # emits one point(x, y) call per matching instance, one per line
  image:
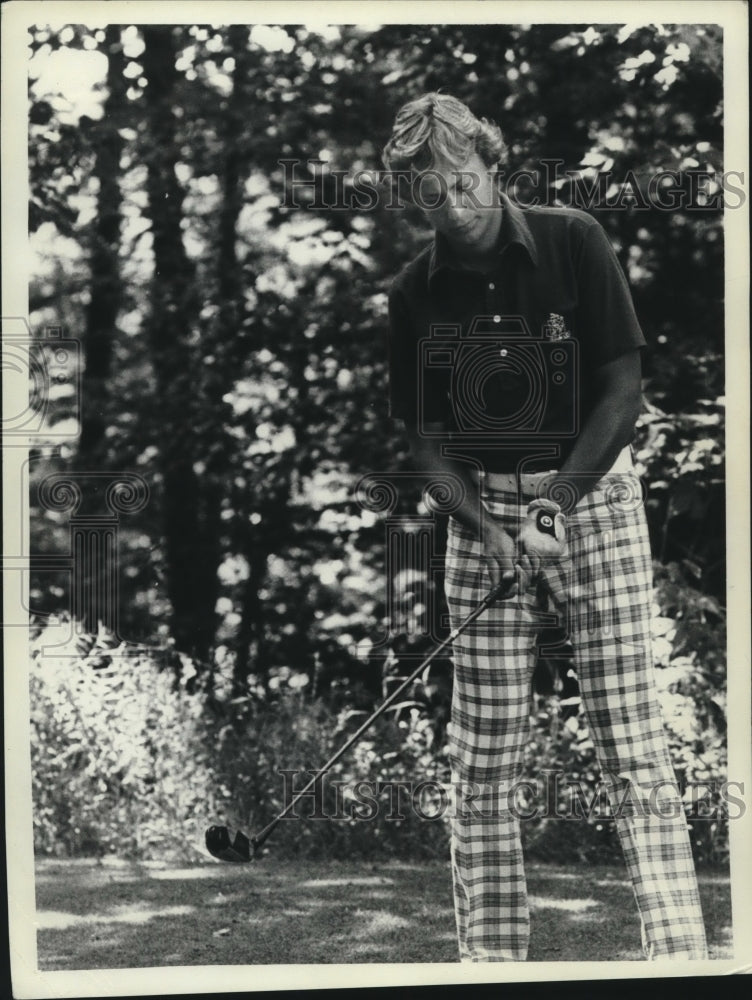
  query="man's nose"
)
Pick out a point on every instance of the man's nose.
point(456, 211)
point(456, 206)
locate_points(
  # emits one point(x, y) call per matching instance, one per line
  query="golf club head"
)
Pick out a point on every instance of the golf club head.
point(220, 845)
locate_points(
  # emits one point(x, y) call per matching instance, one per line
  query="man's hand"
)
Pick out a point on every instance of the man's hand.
point(543, 535)
point(499, 552)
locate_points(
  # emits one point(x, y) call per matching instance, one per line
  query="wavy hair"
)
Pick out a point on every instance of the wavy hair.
point(439, 126)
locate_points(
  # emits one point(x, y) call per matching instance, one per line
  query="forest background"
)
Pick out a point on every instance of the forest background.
point(229, 371)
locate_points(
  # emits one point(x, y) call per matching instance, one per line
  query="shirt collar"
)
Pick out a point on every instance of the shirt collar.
point(514, 229)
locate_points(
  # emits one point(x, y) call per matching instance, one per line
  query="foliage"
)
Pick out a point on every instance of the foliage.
point(365, 808)
point(244, 376)
point(127, 759)
point(119, 760)
point(681, 459)
point(689, 644)
point(275, 382)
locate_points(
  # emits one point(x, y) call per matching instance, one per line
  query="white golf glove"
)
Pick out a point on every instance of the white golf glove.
point(543, 535)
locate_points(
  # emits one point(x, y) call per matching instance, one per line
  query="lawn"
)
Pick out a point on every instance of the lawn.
point(93, 915)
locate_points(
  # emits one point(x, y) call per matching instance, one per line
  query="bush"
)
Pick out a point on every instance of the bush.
point(118, 752)
point(362, 810)
point(128, 757)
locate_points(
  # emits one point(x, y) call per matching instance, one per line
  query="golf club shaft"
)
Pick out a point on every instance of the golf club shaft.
point(496, 593)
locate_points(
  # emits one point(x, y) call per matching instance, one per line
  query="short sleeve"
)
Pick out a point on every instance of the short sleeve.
point(606, 313)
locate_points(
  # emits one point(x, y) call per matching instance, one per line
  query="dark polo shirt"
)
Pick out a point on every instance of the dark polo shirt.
point(502, 366)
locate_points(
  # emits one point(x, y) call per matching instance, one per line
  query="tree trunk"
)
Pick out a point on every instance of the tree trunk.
point(98, 338)
point(191, 576)
point(228, 345)
point(106, 286)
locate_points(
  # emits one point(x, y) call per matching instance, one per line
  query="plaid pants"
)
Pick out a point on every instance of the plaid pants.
point(602, 594)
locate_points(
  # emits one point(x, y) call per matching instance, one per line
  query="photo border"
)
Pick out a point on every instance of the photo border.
point(27, 980)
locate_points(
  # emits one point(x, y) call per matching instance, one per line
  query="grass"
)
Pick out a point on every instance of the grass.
point(123, 915)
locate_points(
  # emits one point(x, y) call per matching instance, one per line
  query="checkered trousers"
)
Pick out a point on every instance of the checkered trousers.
point(601, 593)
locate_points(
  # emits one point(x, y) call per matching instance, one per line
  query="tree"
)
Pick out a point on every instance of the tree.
point(260, 381)
point(106, 286)
point(172, 327)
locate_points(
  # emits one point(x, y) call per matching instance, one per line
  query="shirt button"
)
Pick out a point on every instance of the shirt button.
point(497, 319)
point(491, 285)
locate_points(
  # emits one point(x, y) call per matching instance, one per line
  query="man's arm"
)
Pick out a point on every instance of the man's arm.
point(608, 428)
point(499, 547)
point(612, 340)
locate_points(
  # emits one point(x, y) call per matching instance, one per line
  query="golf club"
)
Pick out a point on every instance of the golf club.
point(241, 848)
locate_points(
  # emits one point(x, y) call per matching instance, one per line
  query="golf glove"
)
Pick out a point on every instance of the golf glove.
point(543, 535)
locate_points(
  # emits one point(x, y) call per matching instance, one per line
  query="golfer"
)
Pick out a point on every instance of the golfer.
point(514, 356)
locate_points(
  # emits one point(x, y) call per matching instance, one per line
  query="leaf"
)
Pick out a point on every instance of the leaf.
point(404, 704)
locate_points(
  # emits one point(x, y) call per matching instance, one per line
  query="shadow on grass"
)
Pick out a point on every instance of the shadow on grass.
point(92, 915)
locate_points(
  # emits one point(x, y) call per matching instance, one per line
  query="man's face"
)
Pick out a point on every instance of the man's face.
point(461, 202)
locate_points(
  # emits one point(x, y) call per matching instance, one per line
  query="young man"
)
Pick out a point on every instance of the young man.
point(515, 365)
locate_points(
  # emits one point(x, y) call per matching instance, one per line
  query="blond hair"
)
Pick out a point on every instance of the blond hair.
point(439, 126)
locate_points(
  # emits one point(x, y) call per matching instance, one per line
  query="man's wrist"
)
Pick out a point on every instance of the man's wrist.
point(563, 491)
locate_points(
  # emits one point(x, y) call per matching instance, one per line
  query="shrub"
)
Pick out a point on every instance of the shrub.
point(257, 740)
point(129, 757)
point(119, 758)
